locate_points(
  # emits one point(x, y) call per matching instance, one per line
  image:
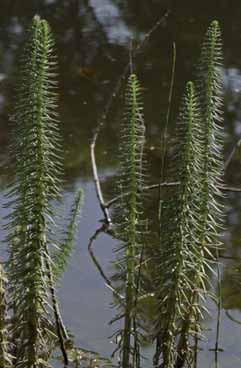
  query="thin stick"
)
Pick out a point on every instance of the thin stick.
point(216, 359)
point(219, 304)
point(230, 257)
point(97, 180)
point(102, 229)
point(171, 86)
point(232, 153)
point(131, 56)
point(61, 331)
point(165, 185)
point(106, 111)
point(232, 318)
point(149, 187)
point(136, 353)
point(195, 349)
point(164, 137)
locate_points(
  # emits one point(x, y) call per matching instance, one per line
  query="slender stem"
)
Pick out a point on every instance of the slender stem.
point(130, 250)
point(101, 121)
point(60, 328)
point(163, 185)
point(102, 229)
point(131, 56)
point(97, 180)
point(136, 353)
point(149, 187)
point(232, 153)
point(164, 136)
point(216, 359)
point(232, 318)
point(219, 304)
point(195, 348)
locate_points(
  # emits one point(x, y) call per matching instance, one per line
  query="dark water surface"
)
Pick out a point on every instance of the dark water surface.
point(93, 38)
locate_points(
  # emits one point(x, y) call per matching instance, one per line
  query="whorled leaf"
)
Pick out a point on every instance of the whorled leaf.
point(6, 360)
point(210, 86)
point(129, 223)
point(181, 253)
point(62, 255)
point(36, 148)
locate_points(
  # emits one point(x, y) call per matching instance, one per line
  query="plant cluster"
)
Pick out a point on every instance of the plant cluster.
point(30, 322)
point(189, 216)
point(36, 257)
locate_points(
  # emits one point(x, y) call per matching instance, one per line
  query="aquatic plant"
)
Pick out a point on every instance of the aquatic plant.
point(190, 219)
point(180, 249)
point(129, 222)
point(65, 249)
point(5, 356)
point(38, 166)
point(209, 83)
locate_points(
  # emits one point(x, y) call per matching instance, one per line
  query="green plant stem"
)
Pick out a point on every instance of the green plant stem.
point(5, 358)
point(131, 247)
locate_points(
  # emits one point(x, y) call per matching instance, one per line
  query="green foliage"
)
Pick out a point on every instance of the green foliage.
point(5, 357)
point(82, 358)
point(63, 254)
point(37, 152)
point(191, 217)
point(209, 83)
point(129, 220)
point(180, 249)
point(190, 220)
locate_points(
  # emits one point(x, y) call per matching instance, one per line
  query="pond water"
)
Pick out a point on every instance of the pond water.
point(93, 38)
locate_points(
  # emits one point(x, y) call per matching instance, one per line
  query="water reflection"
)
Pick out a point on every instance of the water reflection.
point(92, 42)
point(109, 16)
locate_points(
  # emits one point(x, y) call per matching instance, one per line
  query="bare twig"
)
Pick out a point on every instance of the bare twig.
point(219, 303)
point(163, 185)
point(131, 56)
point(97, 180)
point(61, 331)
point(149, 187)
point(232, 318)
point(232, 153)
point(102, 229)
point(106, 111)
point(164, 136)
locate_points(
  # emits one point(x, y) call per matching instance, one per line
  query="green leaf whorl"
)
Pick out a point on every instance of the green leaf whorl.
point(129, 219)
point(37, 150)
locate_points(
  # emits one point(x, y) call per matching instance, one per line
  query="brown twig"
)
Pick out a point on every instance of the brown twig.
point(106, 111)
point(102, 229)
point(232, 153)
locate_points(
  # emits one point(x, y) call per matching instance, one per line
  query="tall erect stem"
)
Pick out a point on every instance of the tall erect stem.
point(179, 225)
point(131, 246)
point(36, 149)
point(209, 83)
point(128, 212)
point(210, 95)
